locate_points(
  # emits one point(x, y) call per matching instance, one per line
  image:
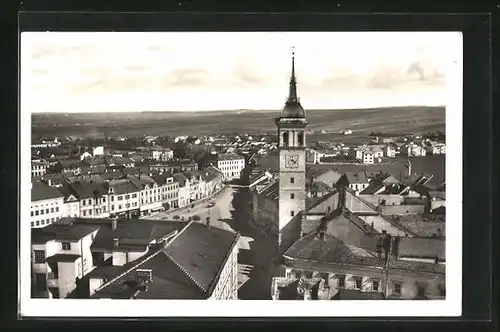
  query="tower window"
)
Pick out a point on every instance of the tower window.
point(292, 180)
point(285, 139)
point(292, 196)
point(292, 213)
point(301, 139)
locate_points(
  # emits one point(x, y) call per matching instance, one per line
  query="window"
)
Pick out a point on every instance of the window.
point(397, 288)
point(57, 208)
point(292, 196)
point(120, 198)
point(32, 213)
point(90, 201)
point(42, 222)
point(375, 284)
point(421, 290)
point(51, 219)
point(51, 209)
point(66, 246)
point(39, 256)
point(36, 213)
point(40, 281)
point(84, 213)
point(32, 224)
point(442, 291)
point(292, 213)
point(134, 195)
point(84, 202)
point(292, 180)
point(341, 281)
point(104, 199)
point(112, 198)
point(127, 196)
point(38, 222)
point(90, 212)
point(42, 211)
point(359, 282)
point(309, 275)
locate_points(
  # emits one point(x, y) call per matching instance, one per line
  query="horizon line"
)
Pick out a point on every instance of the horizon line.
point(239, 110)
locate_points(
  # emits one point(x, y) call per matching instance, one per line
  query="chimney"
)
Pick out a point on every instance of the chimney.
point(116, 242)
point(114, 223)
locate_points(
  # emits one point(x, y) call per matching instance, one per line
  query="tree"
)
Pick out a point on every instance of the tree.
point(180, 151)
point(176, 217)
point(196, 217)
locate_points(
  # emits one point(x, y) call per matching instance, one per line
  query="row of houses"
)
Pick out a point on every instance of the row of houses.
point(133, 259)
point(92, 196)
point(373, 153)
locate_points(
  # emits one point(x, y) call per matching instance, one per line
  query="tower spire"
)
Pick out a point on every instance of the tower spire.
point(292, 96)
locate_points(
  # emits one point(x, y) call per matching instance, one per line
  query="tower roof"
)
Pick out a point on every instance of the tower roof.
point(292, 108)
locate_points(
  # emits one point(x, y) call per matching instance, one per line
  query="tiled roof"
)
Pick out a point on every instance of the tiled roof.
point(70, 163)
point(57, 231)
point(321, 199)
point(141, 181)
point(272, 192)
point(84, 190)
point(134, 235)
point(40, 191)
point(123, 186)
point(422, 225)
point(416, 247)
point(169, 282)
point(201, 251)
point(331, 250)
point(416, 267)
point(372, 188)
point(187, 268)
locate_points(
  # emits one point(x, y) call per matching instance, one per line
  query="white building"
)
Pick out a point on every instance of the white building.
point(231, 165)
point(47, 205)
point(38, 168)
point(150, 195)
point(60, 255)
point(98, 151)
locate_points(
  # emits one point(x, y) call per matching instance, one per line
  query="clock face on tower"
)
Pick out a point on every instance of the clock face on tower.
point(291, 161)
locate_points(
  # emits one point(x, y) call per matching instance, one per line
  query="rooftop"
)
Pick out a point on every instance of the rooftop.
point(230, 156)
point(430, 225)
point(187, 268)
point(356, 177)
point(61, 231)
point(40, 191)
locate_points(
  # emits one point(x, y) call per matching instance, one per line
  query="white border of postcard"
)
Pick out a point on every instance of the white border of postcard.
point(451, 306)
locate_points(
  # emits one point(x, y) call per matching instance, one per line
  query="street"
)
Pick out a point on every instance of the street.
point(257, 250)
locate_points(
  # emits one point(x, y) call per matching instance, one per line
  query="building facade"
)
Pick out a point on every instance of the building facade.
point(47, 205)
point(231, 165)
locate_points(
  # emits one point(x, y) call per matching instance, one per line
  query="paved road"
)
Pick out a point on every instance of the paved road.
point(257, 250)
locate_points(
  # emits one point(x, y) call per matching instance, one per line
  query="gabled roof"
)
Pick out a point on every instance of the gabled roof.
point(179, 177)
point(123, 186)
point(201, 251)
point(187, 268)
point(40, 191)
point(373, 188)
point(133, 235)
point(84, 189)
point(61, 231)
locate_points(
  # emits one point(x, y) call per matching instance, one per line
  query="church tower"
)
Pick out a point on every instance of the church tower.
point(292, 158)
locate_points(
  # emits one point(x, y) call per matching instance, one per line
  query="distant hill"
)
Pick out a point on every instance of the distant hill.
point(414, 119)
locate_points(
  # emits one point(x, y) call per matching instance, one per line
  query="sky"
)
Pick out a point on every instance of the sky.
point(183, 71)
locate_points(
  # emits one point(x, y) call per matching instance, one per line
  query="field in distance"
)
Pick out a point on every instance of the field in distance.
point(415, 119)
